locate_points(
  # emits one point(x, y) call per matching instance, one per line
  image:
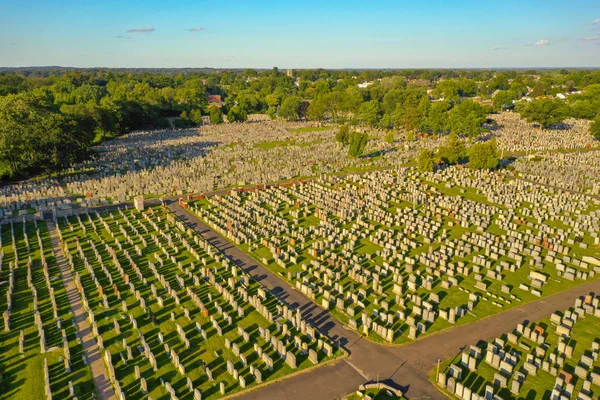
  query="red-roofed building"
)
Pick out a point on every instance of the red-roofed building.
point(214, 98)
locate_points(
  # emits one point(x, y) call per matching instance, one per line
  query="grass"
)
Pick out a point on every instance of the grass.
point(23, 374)
point(282, 143)
point(211, 352)
point(584, 333)
point(454, 296)
point(311, 129)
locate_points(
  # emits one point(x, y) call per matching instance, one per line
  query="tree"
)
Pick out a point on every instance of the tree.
point(369, 112)
point(290, 107)
point(426, 160)
point(343, 135)
point(389, 137)
point(595, 128)
point(503, 100)
point(584, 109)
point(36, 137)
point(358, 143)
point(316, 110)
point(545, 112)
point(237, 114)
point(195, 116)
point(437, 120)
point(454, 151)
point(215, 115)
point(467, 118)
point(483, 155)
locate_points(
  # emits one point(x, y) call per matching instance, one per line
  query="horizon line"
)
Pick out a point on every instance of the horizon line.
point(311, 68)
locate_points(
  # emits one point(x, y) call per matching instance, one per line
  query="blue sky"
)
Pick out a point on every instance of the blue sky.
point(300, 34)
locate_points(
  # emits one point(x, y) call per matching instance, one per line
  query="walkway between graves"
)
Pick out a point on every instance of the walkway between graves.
point(407, 366)
point(90, 347)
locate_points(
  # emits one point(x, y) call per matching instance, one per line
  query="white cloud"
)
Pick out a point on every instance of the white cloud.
point(195, 29)
point(542, 42)
point(590, 38)
point(596, 21)
point(141, 30)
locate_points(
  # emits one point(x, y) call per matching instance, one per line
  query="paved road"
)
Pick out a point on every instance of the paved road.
point(407, 367)
point(90, 347)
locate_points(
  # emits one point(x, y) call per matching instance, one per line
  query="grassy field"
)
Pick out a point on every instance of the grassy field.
point(212, 352)
point(23, 374)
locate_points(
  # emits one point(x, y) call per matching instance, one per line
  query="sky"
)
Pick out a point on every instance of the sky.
point(300, 34)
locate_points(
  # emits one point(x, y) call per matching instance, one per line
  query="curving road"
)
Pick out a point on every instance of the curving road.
point(407, 367)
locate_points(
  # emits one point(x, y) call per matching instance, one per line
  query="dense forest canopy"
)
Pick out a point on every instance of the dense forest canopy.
point(50, 117)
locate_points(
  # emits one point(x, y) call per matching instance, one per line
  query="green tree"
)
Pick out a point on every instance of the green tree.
point(195, 116)
point(290, 108)
point(215, 115)
point(316, 110)
point(595, 128)
point(426, 160)
point(545, 112)
point(36, 137)
point(237, 114)
point(437, 120)
point(389, 137)
point(467, 118)
point(454, 151)
point(369, 112)
point(343, 135)
point(503, 100)
point(358, 143)
point(584, 109)
point(483, 155)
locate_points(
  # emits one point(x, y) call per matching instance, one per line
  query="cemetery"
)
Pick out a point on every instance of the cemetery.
point(175, 162)
point(554, 358)
point(397, 255)
point(172, 317)
point(41, 355)
point(569, 171)
point(517, 136)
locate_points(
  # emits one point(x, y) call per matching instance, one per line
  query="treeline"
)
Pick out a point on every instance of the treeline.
point(88, 106)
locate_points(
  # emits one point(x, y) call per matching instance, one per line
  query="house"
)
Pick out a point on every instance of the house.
point(214, 98)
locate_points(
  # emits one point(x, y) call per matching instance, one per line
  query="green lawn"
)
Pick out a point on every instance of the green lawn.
point(584, 333)
point(23, 374)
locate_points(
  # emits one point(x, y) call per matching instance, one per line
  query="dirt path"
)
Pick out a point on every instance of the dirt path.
point(406, 367)
point(90, 347)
